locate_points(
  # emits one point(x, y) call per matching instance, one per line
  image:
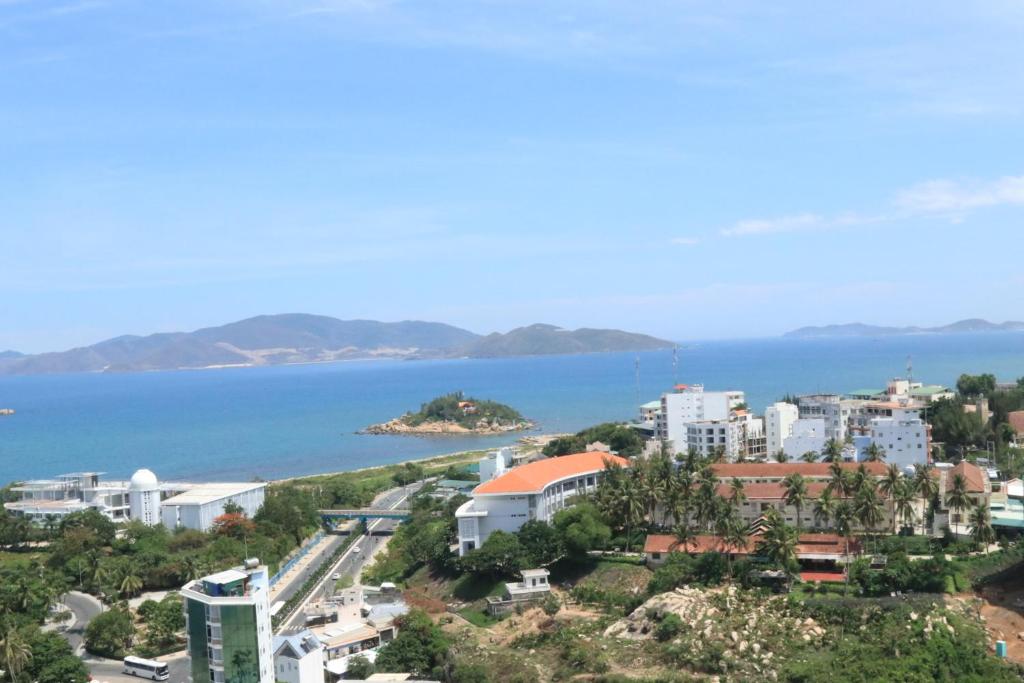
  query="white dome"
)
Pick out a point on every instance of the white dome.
point(143, 480)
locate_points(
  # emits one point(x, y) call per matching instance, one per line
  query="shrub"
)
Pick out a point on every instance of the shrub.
point(110, 634)
point(669, 627)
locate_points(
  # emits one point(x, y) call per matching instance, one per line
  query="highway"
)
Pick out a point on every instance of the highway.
point(85, 607)
point(351, 562)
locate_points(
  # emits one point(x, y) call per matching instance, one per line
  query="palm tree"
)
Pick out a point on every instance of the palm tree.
point(904, 498)
point(795, 492)
point(888, 485)
point(130, 582)
point(707, 497)
point(809, 456)
point(631, 502)
point(16, 651)
point(838, 482)
point(867, 507)
point(824, 507)
point(734, 536)
point(844, 517)
point(874, 452)
point(191, 568)
point(781, 456)
point(684, 485)
point(832, 451)
point(958, 498)
point(926, 486)
point(736, 493)
point(778, 542)
point(860, 478)
point(981, 525)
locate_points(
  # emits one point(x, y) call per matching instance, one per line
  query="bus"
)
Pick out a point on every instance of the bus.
point(146, 668)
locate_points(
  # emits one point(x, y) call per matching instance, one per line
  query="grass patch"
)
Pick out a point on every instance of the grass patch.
point(470, 588)
point(478, 617)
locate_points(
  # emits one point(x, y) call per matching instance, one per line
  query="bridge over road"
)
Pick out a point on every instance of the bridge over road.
point(365, 514)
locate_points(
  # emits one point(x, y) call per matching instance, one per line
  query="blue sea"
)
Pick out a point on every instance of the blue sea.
point(275, 422)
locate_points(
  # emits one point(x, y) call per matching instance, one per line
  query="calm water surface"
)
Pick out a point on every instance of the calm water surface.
point(282, 421)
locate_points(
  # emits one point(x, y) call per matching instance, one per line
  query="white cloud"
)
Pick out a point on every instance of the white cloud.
point(769, 226)
point(942, 196)
point(686, 241)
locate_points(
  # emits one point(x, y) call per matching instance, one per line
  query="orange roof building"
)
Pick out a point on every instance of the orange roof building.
point(535, 491)
point(777, 471)
point(810, 547)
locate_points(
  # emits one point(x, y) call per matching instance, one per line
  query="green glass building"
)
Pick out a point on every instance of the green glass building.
point(228, 626)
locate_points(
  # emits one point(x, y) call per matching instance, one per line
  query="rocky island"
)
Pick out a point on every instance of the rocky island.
point(455, 414)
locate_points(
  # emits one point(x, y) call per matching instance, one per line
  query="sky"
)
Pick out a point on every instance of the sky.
point(688, 169)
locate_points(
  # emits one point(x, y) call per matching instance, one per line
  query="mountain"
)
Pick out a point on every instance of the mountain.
point(548, 339)
point(862, 330)
point(302, 338)
point(10, 355)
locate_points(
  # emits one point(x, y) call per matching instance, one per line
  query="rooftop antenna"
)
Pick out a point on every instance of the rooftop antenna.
point(910, 369)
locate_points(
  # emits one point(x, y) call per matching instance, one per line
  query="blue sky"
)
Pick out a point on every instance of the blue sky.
point(689, 169)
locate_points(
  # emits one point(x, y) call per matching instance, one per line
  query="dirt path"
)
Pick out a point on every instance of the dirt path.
point(1003, 610)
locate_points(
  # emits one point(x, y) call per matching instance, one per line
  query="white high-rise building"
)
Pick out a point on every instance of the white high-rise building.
point(904, 437)
point(835, 410)
point(144, 497)
point(740, 434)
point(778, 424)
point(689, 404)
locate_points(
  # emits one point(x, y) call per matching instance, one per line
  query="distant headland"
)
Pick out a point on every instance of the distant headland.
point(862, 330)
point(455, 414)
point(301, 338)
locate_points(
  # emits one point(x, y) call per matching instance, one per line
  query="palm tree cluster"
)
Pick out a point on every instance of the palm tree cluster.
point(686, 497)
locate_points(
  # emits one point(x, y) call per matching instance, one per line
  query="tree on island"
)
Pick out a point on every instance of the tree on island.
point(620, 438)
point(465, 411)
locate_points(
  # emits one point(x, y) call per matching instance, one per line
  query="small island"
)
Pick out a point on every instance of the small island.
point(455, 414)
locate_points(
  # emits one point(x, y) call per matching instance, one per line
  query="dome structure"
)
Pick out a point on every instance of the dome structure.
point(143, 480)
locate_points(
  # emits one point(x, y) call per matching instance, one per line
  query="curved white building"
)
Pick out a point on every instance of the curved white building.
point(534, 491)
point(144, 497)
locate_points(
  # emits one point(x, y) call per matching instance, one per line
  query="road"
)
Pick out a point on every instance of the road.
point(85, 607)
point(351, 562)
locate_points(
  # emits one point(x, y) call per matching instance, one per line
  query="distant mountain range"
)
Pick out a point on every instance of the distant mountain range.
point(302, 338)
point(862, 330)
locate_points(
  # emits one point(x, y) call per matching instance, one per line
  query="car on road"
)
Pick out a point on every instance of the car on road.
point(357, 550)
point(337, 577)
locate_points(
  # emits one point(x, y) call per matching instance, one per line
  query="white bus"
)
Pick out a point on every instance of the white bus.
point(146, 668)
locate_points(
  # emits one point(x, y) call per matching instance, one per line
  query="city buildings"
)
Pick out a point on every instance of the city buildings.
point(739, 436)
point(904, 437)
point(536, 490)
point(688, 404)
point(227, 622)
point(806, 435)
point(197, 507)
point(835, 410)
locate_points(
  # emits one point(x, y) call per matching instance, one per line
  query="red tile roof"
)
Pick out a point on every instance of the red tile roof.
point(771, 491)
point(972, 473)
point(768, 470)
point(1016, 420)
point(809, 544)
point(534, 476)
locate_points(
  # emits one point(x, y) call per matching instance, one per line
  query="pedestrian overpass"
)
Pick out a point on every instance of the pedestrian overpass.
point(364, 514)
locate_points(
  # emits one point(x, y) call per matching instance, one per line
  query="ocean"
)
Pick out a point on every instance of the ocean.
point(274, 422)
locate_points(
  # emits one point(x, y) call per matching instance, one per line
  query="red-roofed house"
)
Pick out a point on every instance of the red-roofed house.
point(536, 490)
point(979, 489)
point(814, 549)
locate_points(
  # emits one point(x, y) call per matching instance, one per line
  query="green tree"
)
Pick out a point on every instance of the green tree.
point(581, 529)
point(809, 456)
point(981, 525)
point(621, 438)
point(16, 651)
point(110, 634)
point(778, 542)
point(888, 486)
point(958, 498)
point(904, 499)
point(419, 648)
point(795, 492)
point(499, 556)
point(833, 451)
point(824, 507)
point(359, 668)
point(874, 452)
point(971, 386)
point(540, 543)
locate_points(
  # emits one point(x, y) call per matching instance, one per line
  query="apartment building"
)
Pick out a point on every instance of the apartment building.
point(689, 403)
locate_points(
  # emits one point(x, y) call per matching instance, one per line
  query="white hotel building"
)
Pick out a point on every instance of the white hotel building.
point(533, 491)
point(689, 403)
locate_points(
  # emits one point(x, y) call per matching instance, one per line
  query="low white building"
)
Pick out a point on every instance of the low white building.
point(778, 424)
point(298, 658)
point(496, 463)
point(806, 435)
point(201, 504)
point(54, 499)
point(536, 490)
point(904, 437)
point(835, 410)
